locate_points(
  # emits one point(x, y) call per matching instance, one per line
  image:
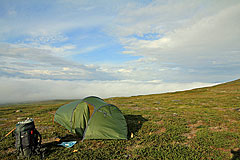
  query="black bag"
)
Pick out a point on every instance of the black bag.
point(28, 139)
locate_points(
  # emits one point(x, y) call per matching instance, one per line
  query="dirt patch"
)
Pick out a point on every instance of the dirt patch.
point(222, 109)
point(191, 134)
point(159, 122)
point(232, 120)
point(134, 147)
point(139, 108)
point(194, 129)
point(162, 130)
point(11, 150)
point(223, 149)
point(137, 145)
point(2, 125)
point(195, 125)
point(157, 108)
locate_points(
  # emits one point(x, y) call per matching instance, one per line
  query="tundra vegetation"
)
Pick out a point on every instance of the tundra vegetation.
point(201, 123)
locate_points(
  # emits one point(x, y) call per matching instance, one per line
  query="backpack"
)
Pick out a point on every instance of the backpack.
point(28, 139)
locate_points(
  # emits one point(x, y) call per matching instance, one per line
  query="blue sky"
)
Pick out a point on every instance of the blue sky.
point(133, 47)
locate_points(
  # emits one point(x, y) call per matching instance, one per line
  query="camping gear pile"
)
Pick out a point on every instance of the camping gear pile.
point(92, 118)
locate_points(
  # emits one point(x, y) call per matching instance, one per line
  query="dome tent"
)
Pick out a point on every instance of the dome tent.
point(92, 118)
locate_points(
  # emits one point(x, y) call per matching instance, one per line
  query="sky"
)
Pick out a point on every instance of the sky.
point(63, 49)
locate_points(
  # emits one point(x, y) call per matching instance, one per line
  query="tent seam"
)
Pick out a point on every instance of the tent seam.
point(92, 116)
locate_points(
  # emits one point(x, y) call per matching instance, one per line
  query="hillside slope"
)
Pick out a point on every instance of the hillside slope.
point(202, 123)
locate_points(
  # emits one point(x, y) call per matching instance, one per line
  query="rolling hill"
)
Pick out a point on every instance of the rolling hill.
point(201, 123)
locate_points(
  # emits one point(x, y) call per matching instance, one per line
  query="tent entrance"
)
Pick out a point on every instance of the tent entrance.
point(91, 110)
point(80, 118)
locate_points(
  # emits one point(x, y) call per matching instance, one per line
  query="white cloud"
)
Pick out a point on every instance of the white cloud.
point(88, 49)
point(26, 52)
point(66, 69)
point(160, 16)
point(12, 90)
point(214, 33)
point(177, 41)
point(124, 70)
point(197, 41)
point(44, 37)
point(36, 72)
point(20, 60)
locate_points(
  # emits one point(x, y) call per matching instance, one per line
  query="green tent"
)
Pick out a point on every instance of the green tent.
point(92, 118)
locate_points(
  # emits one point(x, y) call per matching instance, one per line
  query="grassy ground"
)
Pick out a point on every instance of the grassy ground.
point(197, 124)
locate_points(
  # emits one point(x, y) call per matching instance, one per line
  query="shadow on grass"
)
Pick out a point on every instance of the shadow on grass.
point(236, 155)
point(50, 147)
point(134, 123)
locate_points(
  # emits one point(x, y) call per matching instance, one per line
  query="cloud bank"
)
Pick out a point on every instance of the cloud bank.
point(23, 90)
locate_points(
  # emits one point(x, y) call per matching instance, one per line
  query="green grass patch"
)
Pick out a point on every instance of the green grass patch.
point(197, 124)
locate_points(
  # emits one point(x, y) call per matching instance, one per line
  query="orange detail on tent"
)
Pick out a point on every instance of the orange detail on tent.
point(91, 109)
